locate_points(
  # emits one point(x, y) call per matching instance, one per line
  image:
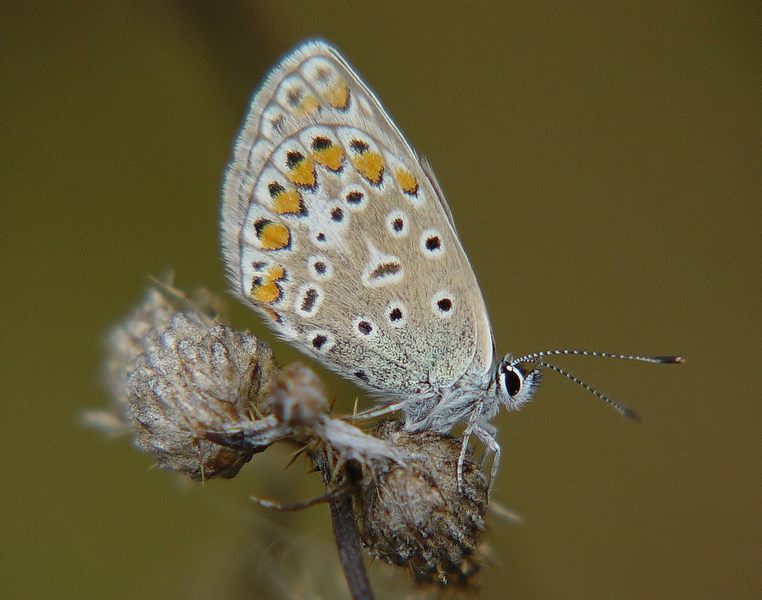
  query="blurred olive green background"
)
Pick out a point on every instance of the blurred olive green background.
point(602, 161)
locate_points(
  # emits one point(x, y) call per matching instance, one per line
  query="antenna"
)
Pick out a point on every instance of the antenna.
point(620, 408)
point(657, 360)
point(536, 358)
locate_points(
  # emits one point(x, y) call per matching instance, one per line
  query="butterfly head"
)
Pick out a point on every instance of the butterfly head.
point(516, 381)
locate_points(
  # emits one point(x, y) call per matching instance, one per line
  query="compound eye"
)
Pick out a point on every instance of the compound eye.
point(512, 380)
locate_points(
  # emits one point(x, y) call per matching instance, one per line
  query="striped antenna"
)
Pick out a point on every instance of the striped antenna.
point(620, 408)
point(657, 360)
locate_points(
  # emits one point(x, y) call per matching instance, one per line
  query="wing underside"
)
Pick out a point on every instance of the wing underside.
point(337, 235)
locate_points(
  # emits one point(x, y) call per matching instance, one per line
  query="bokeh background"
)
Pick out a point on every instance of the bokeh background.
point(602, 161)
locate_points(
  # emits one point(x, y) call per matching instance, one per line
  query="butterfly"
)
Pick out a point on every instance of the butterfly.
point(338, 234)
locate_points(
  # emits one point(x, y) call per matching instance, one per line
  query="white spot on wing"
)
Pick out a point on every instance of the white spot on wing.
point(396, 313)
point(320, 267)
point(355, 197)
point(320, 340)
point(381, 269)
point(397, 224)
point(443, 304)
point(431, 243)
point(273, 122)
point(308, 300)
point(364, 328)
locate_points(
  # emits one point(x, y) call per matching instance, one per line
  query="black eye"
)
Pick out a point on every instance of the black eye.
point(511, 381)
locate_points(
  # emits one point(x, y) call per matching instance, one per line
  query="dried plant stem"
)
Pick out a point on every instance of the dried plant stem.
point(346, 535)
point(345, 532)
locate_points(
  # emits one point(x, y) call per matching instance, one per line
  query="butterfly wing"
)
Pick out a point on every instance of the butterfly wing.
point(339, 236)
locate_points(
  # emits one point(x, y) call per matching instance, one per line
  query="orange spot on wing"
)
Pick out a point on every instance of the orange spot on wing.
point(267, 293)
point(272, 314)
point(302, 173)
point(370, 165)
point(272, 236)
point(330, 158)
point(308, 106)
point(288, 202)
point(265, 289)
point(406, 181)
point(275, 273)
point(338, 94)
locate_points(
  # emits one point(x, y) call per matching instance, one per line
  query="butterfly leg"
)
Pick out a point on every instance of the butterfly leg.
point(486, 434)
point(462, 457)
point(470, 429)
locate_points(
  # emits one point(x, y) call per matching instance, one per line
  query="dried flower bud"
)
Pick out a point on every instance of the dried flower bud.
point(125, 343)
point(414, 515)
point(297, 396)
point(178, 374)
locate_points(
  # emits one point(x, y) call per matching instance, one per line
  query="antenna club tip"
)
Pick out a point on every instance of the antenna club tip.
point(632, 415)
point(670, 360)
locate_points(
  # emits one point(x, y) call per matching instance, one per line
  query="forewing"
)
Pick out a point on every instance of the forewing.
point(337, 235)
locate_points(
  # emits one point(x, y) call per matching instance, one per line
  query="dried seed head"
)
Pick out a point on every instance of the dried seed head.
point(125, 343)
point(297, 396)
point(415, 516)
point(178, 374)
